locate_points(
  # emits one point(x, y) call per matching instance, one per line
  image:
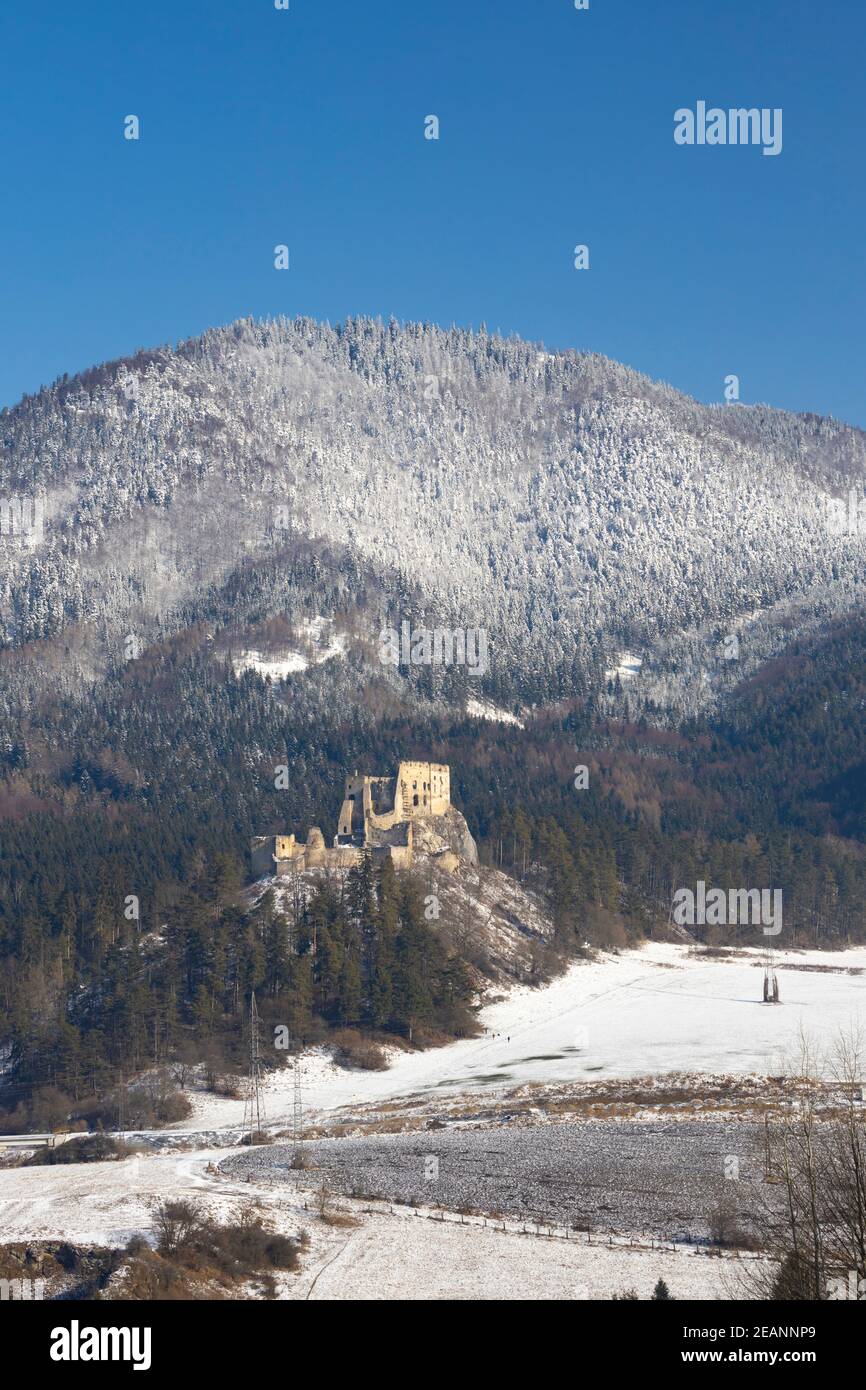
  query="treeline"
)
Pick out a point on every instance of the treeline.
point(634, 873)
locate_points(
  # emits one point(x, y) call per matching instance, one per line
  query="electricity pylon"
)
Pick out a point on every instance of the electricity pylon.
point(254, 1107)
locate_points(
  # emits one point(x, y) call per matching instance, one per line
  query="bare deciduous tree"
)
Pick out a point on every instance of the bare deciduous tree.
point(815, 1222)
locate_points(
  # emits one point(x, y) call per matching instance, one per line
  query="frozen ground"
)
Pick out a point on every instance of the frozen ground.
point(656, 1011)
point(405, 1257)
point(653, 1012)
point(401, 1256)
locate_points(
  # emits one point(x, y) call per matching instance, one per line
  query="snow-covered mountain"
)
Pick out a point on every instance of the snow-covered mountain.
point(570, 507)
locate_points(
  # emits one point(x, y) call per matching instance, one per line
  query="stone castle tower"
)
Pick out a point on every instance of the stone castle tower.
point(377, 815)
point(372, 804)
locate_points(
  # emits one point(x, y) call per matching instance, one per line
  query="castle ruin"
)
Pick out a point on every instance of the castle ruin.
point(377, 817)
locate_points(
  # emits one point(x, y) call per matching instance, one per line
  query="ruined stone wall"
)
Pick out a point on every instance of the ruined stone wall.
point(316, 857)
point(423, 789)
point(269, 850)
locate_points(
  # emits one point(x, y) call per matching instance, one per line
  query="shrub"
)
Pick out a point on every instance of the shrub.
point(177, 1226)
point(726, 1229)
point(352, 1049)
point(89, 1148)
point(224, 1085)
point(239, 1250)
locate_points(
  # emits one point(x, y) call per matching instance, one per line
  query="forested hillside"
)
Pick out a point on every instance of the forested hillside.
point(277, 494)
point(560, 501)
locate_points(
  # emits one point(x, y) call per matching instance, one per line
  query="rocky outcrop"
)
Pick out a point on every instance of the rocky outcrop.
point(445, 838)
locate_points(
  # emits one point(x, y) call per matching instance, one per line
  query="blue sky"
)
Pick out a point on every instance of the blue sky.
point(306, 127)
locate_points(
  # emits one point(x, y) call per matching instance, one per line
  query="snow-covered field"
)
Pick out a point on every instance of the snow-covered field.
point(667, 1181)
point(399, 1256)
point(655, 1011)
point(406, 1258)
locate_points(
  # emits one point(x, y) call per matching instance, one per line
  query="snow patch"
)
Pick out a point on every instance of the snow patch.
point(275, 667)
point(627, 667)
point(321, 643)
point(483, 709)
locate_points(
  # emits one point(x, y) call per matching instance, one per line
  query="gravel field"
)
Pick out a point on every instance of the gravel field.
point(665, 1180)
